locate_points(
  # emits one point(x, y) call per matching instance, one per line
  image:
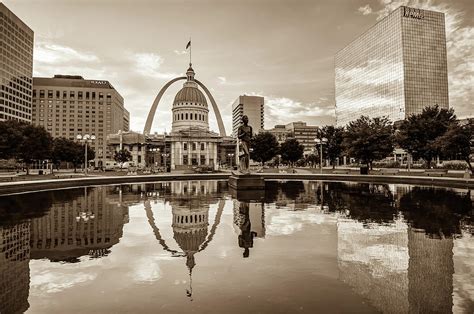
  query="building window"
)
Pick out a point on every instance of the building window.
point(194, 146)
point(203, 146)
point(185, 146)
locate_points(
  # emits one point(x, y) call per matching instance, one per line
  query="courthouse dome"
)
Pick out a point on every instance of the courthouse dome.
point(190, 108)
point(191, 95)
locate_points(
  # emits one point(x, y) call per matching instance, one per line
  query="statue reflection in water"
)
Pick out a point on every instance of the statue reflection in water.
point(249, 217)
point(246, 236)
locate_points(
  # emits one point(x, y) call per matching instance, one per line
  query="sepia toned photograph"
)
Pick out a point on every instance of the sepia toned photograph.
point(236, 156)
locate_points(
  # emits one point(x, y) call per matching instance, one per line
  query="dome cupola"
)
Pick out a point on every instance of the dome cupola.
point(190, 106)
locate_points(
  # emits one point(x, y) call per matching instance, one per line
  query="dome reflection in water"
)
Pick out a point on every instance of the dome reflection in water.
point(299, 246)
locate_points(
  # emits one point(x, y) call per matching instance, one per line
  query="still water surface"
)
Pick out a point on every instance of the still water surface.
point(193, 246)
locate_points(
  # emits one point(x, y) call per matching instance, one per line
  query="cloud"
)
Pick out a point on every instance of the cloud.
point(283, 110)
point(149, 64)
point(365, 10)
point(460, 50)
point(54, 54)
point(222, 79)
point(180, 52)
point(50, 58)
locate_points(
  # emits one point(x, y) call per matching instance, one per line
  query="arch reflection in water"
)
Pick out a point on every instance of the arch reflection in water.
point(190, 202)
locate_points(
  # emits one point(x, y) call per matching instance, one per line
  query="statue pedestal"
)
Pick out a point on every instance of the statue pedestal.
point(246, 182)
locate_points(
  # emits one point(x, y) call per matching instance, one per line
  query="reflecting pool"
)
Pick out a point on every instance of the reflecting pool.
point(196, 246)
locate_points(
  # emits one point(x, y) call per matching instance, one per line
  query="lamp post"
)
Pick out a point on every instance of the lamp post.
point(154, 150)
point(321, 142)
point(165, 155)
point(86, 138)
point(231, 155)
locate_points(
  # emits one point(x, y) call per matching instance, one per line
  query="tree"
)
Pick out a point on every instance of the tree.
point(36, 144)
point(63, 150)
point(369, 139)
point(456, 142)
point(333, 148)
point(291, 151)
point(418, 134)
point(312, 160)
point(11, 135)
point(79, 154)
point(264, 147)
point(122, 156)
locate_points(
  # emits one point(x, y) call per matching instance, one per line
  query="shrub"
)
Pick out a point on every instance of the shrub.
point(454, 165)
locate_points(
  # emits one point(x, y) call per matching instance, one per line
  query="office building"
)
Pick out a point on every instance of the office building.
point(395, 69)
point(299, 130)
point(252, 107)
point(16, 67)
point(67, 106)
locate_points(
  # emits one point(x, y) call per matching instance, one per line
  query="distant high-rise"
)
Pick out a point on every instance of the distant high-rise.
point(16, 64)
point(253, 108)
point(395, 69)
point(67, 106)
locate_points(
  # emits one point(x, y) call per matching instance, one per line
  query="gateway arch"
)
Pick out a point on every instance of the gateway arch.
point(151, 114)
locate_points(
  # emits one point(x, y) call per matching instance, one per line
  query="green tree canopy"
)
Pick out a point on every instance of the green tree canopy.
point(333, 148)
point(11, 136)
point(456, 142)
point(418, 134)
point(291, 151)
point(122, 156)
point(36, 144)
point(368, 139)
point(264, 147)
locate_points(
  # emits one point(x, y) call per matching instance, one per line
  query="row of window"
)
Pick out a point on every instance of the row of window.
point(186, 116)
point(72, 94)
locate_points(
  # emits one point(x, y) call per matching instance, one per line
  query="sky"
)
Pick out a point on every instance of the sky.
point(282, 50)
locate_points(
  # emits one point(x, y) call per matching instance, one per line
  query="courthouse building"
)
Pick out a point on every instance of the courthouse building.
point(16, 67)
point(394, 69)
point(67, 106)
point(190, 144)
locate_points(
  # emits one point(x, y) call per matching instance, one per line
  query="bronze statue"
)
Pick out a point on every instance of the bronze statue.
point(244, 134)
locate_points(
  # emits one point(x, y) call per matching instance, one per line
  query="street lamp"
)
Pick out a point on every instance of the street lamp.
point(231, 156)
point(321, 142)
point(85, 139)
point(154, 150)
point(165, 155)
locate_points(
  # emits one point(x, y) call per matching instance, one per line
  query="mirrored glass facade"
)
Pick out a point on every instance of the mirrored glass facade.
point(16, 67)
point(394, 69)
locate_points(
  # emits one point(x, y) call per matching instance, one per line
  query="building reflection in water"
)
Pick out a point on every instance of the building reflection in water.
point(404, 249)
point(395, 245)
point(87, 225)
point(190, 203)
point(14, 268)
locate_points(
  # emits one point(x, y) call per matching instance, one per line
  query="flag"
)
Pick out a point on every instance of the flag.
point(188, 45)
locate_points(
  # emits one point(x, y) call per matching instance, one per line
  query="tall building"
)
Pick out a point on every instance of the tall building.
point(16, 67)
point(253, 108)
point(395, 69)
point(299, 130)
point(68, 106)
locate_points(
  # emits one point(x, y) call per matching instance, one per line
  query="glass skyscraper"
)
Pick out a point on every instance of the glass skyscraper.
point(395, 69)
point(16, 67)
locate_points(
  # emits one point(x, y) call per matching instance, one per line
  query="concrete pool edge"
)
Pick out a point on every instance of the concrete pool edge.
point(17, 187)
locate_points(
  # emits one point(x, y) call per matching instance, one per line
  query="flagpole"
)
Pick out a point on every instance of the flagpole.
point(190, 51)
